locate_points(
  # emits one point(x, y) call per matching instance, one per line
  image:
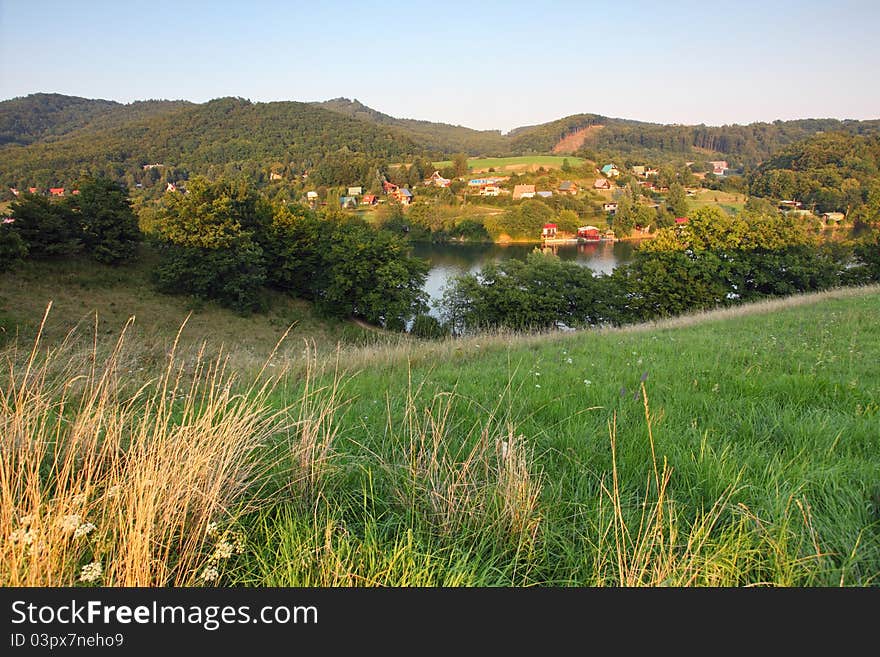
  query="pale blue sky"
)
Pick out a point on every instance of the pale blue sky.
point(486, 65)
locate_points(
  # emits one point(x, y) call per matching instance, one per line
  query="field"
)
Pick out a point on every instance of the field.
point(733, 448)
point(82, 291)
point(728, 201)
point(515, 164)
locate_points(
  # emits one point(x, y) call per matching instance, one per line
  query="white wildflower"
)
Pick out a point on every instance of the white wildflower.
point(25, 536)
point(223, 550)
point(537, 385)
point(70, 523)
point(568, 360)
point(25, 521)
point(212, 529)
point(83, 530)
point(80, 498)
point(91, 572)
point(210, 574)
point(587, 382)
point(504, 450)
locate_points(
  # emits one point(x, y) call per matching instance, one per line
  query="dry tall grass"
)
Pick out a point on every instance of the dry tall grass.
point(123, 488)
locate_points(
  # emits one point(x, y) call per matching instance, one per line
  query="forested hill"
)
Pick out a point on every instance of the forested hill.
point(831, 172)
point(51, 139)
point(43, 116)
point(436, 137)
point(223, 136)
point(745, 144)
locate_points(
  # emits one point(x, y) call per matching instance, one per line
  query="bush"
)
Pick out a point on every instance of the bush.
point(12, 247)
point(428, 327)
point(47, 228)
point(232, 276)
point(110, 231)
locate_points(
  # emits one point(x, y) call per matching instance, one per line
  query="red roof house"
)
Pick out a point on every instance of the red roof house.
point(549, 230)
point(56, 191)
point(681, 220)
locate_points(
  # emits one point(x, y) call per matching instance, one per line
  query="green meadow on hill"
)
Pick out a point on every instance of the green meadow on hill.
point(736, 447)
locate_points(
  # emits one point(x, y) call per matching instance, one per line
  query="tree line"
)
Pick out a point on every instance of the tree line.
point(224, 241)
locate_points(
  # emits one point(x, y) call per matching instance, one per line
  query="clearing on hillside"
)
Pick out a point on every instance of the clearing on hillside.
point(573, 141)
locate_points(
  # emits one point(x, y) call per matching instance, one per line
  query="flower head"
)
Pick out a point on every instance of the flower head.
point(91, 572)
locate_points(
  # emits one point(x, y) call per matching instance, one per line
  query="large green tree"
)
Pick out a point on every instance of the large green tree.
point(108, 226)
point(47, 226)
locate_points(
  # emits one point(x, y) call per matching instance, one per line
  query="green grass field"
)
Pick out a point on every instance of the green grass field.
point(734, 448)
point(516, 164)
point(725, 200)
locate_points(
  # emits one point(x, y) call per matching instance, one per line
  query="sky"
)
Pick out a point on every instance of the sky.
point(484, 65)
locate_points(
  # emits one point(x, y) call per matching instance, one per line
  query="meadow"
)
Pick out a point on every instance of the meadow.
point(518, 164)
point(731, 448)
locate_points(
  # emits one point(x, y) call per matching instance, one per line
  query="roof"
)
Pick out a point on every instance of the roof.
point(549, 225)
point(545, 194)
point(566, 184)
point(681, 220)
point(588, 228)
point(601, 182)
point(405, 192)
point(311, 194)
point(608, 167)
point(523, 189)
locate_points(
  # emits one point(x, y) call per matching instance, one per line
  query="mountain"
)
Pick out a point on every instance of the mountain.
point(32, 118)
point(222, 136)
point(440, 138)
point(51, 139)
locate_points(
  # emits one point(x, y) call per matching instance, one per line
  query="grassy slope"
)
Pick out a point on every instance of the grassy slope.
point(79, 289)
point(772, 409)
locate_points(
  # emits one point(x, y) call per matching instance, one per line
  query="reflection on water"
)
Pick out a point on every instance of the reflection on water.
point(450, 260)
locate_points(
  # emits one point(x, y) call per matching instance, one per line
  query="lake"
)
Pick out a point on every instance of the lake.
point(450, 260)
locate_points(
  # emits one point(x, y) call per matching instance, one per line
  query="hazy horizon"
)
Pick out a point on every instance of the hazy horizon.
point(497, 66)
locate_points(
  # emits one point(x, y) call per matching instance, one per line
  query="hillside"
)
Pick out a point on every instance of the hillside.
point(440, 138)
point(733, 448)
point(226, 135)
point(50, 139)
point(36, 117)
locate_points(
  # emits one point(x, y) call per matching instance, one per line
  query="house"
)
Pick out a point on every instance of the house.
point(718, 167)
point(147, 167)
point(651, 172)
point(610, 207)
point(8, 220)
point(369, 199)
point(355, 191)
point(402, 196)
point(602, 183)
point(75, 192)
point(547, 194)
point(171, 187)
point(490, 190)
point(789, 205)
point(833, 216)
point(548, 231)
point(610, 170)
point(568, 187)
point(639, 170)
point(32, 190)
point(681, 220)
point(437, 180)
point(56, 191)
point(348, 202)
point(312, 196)
point(388, 187)
point(14, 191)
point(589, 234)
point(523, 191)
point(275, 176)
